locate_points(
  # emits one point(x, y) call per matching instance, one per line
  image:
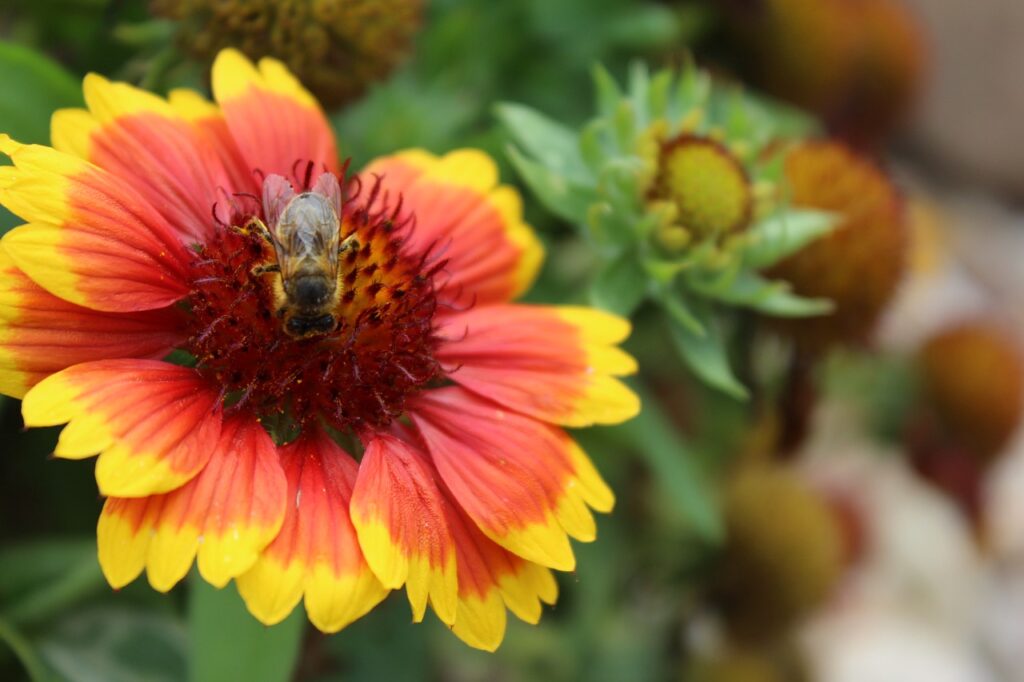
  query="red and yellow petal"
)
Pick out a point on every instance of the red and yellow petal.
point(275, 121)
point(224, 516)
point(41, 334)
point(317, 552)
point(148, 145)
point(492, 579)
point(462, 212)
point(555, 364)
point(398, 513)
point(524, 483)
point(210, 124)
point(92, 240)
point(152, 423)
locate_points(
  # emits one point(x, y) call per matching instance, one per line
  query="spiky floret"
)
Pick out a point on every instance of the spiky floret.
point(858, 266)
point(336, 47)
point(706, 185)
point(973, 378)
point(356, 376)
point(783, 553)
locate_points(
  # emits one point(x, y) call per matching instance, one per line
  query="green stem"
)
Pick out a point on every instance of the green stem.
point(23, 650)
point(675, 467)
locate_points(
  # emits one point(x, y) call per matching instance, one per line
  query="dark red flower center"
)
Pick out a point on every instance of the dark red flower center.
point(378, 349)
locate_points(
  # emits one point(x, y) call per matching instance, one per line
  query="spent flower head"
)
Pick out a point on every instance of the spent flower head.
point(337, 48)
point(313, 382)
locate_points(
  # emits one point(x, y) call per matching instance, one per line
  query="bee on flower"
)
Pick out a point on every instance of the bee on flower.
point(355, 403)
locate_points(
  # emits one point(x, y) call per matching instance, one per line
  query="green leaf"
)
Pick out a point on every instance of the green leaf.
point(783, 234)
point(621, 286)
point(33, 86)
point(38, 562)
point(566, 199)
point(547, 141)
point(65, 572)
point(706, 355)
point(674, 465)
point(227, 643)
point(118, 645)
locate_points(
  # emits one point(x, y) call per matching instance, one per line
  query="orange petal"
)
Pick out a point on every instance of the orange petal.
point(316, 552)
point(525, 484)
point(274, 120)
point(555, 364)
point(41, 334)
point(226, 515)
point(462, 212)
point(149, 146)
point(397, 512)
point(490, 579)
point(151, 422)
point(92, 240)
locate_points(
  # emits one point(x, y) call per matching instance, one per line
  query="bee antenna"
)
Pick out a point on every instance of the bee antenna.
point(344, 167)
point(307, 175)
point(216, 218)
point(259, 175)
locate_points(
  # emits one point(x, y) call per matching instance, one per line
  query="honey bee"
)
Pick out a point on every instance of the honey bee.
point(305, 230)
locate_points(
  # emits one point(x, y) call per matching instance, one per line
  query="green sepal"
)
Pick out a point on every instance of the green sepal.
point(565, 198)
point(550, 143)
point(706, 354)
point(749, 290)
point(783, 234)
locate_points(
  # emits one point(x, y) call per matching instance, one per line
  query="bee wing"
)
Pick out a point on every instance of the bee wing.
point(307, 238)
point(277, 192)
point(327, 185)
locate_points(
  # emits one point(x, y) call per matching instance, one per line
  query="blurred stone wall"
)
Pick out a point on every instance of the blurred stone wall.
point(971, 115)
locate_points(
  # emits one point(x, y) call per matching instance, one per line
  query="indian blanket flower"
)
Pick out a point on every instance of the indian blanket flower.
point(171, 300)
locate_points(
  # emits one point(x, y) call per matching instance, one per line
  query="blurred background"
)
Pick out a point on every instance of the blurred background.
point(860, 517)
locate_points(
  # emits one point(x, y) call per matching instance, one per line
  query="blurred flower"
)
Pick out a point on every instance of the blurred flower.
point(336, 47)
point(146, 235)
point(783, 553)
point(858, 265)
point(673, 184)
point(918, 555)
point(973, 377)
point(742, 666)
point(858, 63)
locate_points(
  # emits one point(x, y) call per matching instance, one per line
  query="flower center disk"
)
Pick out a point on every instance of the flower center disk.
point(357, 375)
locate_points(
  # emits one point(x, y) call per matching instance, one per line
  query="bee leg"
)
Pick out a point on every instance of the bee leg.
point(350, 242)
point(256, 225)
point(261, 270)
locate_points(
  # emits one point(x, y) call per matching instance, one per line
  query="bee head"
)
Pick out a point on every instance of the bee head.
point(301, 327)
